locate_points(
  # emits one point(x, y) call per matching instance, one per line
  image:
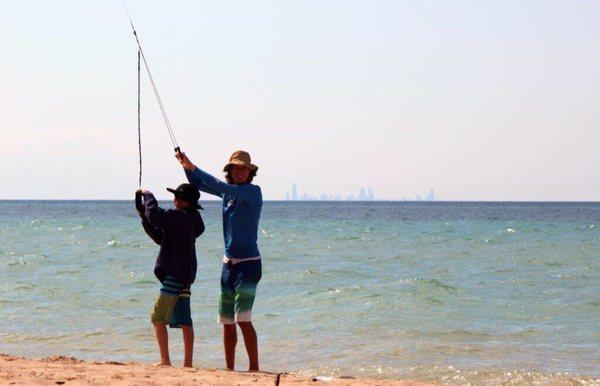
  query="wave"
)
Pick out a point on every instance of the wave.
point(17, 262)
point(125, 244)
point(450, 374)
point(145, 282)
point(24, 337)
point(424, 282)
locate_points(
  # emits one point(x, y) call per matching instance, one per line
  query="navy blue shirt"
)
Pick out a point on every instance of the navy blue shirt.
point(175, 230)
point(241, 212)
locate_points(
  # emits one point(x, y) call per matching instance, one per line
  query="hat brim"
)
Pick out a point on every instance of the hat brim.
point(194, 204)
point(240, 163)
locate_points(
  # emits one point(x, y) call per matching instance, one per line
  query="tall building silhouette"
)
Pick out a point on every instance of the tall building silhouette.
point(430, 196)
point(294, 196)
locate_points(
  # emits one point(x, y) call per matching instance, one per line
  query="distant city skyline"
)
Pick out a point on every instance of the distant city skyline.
point(364, 194)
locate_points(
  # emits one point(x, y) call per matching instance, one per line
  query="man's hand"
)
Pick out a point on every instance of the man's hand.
point(185, 161)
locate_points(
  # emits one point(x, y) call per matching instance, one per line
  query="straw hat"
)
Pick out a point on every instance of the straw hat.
point(240, 157)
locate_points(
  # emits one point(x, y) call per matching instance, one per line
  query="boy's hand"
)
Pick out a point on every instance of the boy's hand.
point(185, 161)
point(139, 202)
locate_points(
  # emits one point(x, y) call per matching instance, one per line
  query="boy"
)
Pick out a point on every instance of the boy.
point(176, 232)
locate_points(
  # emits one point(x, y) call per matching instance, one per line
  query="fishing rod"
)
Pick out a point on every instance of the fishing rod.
point(154, 87)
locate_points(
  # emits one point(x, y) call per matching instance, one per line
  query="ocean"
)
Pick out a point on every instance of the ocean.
point(481, 293)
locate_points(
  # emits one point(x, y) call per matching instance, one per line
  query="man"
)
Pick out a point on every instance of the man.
point(242, 267)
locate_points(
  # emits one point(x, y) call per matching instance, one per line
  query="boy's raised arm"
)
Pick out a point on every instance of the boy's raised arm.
point(156, 216)
point(155, 234)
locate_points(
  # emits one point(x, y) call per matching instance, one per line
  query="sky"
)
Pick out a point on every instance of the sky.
point(479, 100)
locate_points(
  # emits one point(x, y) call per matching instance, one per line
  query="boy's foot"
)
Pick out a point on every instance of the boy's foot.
point(162, 364)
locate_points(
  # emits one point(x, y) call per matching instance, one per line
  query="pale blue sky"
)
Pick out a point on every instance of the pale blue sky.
point(481, 100)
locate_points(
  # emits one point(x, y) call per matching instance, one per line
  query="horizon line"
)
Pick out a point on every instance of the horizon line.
point(320, 201)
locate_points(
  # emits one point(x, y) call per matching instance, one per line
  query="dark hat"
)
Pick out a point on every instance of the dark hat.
point(188, 193)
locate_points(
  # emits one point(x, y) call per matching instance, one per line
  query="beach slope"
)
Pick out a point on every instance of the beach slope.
point(59, 370)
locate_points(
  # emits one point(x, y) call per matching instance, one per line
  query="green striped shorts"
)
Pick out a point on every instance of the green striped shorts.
point(172, 306)
point(238, 289)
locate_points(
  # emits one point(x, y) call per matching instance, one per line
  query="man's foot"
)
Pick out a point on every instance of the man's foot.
point(162, 364)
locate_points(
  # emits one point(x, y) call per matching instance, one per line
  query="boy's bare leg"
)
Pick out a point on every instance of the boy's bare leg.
point(162, 337)
point(188, 345)
point(229, 342)
point(251, 342)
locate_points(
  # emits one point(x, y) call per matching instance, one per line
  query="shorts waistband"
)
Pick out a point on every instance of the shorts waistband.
point(234, 260)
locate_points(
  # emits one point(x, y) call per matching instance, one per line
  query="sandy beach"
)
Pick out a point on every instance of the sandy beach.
point(59, 370)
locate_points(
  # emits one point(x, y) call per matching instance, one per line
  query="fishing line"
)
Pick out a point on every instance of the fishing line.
point(154, 87)
point(139, 117)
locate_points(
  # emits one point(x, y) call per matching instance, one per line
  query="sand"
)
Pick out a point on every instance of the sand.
point(59, 370)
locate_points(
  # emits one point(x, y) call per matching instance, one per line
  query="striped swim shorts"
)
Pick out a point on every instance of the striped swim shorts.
point(172, 306)
point(238, 289)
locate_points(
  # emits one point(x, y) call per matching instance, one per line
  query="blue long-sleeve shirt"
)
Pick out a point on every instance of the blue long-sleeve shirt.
point(241, 212)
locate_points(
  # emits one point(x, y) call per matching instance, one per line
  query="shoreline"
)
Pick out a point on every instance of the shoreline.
point(59, 370)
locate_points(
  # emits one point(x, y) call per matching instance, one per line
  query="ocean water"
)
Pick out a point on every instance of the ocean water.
point(484, 293)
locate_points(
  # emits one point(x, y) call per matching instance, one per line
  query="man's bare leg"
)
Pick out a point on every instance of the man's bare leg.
point(188, 345)
point(229, 342)
point(162, 337)
point(251, 342)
